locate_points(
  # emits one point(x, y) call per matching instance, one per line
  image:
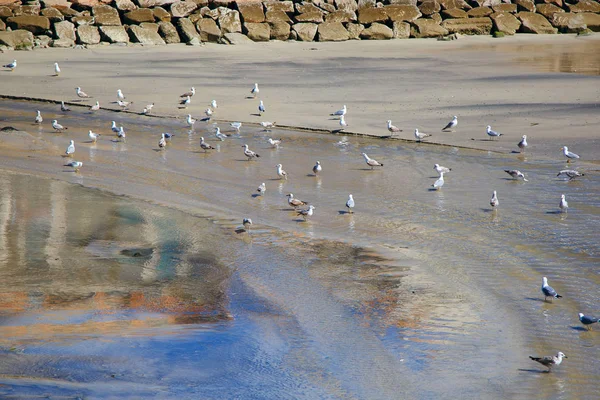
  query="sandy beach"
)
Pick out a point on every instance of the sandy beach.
point(416, 286)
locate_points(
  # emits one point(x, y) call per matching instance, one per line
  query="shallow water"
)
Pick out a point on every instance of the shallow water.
point(458, 284)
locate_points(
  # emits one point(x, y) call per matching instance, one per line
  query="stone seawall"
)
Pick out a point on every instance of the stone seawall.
point(25, 24)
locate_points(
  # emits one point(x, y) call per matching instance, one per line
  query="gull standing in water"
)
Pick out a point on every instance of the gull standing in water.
point(121, 134)
point(190, 121)
point(439, 183)
point(548, 290)
point(162, 143)
point(261, 108)
point(11, 66)
point(370, 162)
point(391, 128)
point(114, 127)
point(340, 113)
point(280, 172)
point(185, 102)
point(169, 136)
point(63, 107)
point(70, 149)
point(441, 169)
point(570, 156)
point(550, 361)
point(572, 174)
point(93, 136)
point(81, 94)
point(147, 109)
point(343, 123)
point(58, 127)
point(219, 135)
point(274, 142)
point(563, 205)
point(295, 202)
point(75, 165)
point(191, 93)
point(307, 213)
point(205, 146)
point(494, 202)
point(262, 188)
point(120, 95)
point(492, 134)
point(588, 321)
point(255, 91)
point(249, 153)
point(515, 173)
point(247, 222)
point(95, 107)
point(56, 69)
point(451, 125)
point(523, 143)
point(38, 118)
point(317, 168)
point(350, 204)
point(420, 135)
point(236, 125)
point(267, 125)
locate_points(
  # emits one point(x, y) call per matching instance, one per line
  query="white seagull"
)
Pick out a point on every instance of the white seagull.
point(190, 121)
point(247, 222)
point(58, 127)
point(124, 104)
point(572, 174)
point(370, 162)
point(307, 213)
point(570, 156)
point(280, 172)
point(208, 112)
point(439, 183)
point(492, 133)
point(550, 361)
point(214, 104)
point(317, 168)
point(261, 108)
point(11, 66)
point(350, 203)
point(452, 124)
point(262, 188)
point(523, 143)
point(75, 165)
point(63, 107)
point(515, 173)
point(93, 136)
point(205, 146)
point(563, 205)
point(114, 127)
point(70, 149)
point(393, 129)
point(95, 107)
point(236, 125)
point(249, 153)
point(81, 93)
point(148, 108)
point(267, 125)
point(588, 321)
point(168, 136)
point(343, 123)
point(121, 134)
point(56, 69)
point(162, 143)
point(120, 95)
point(191, 93)
point(420, 135)
point(219, 135)
point(494, 202)
point(548, 290)
point(185, 102)
point(38, 118)
point(295, 202)
point(274, 142)
point(341, 112)
point(254, 92)
point(439, 168)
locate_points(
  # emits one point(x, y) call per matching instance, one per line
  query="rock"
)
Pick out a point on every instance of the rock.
point(548, 10)
point(510, 8)
point(83, 20)
point(42, 41)
point(58, 4)
point(377, 31)
point(138, 16)
point(402, 12)
point(592, 21)
point(64, 30)
point(30, 10)
point(277, 16)
point(584, 6)
point(436, 17)
point(209, 31)
point(63, 43)
point(125, 5)
point(305, 7)
point(106, 16)
point(454, 13)
point(252, 12)
point(84, 5)
point(285, 6)
point(306, 31)
point(329, 8)
point(354, 31)
point(17, 39)
point(150, 25)
point(479, 12)
point(237, 38)
point(535, 23)
point(195, 17)
point(450, 4)
point(113, 34)
point(187, 30)
point(568, 22)
point(153, 3)
point(5, 12)
point(505, 22)
point(161, 15)
point(258, 31)
point(168, 32)
point(428, 7)
point(346, 5)
point(558, 3)
point(372, 14)
point(491, 3)
point(53, 14)
point(230, 22)
point(216, 13)
point(404, 2)
point(280, 30)
point(181, 9)
point(34, 24)
point(2, 25)
point(144, 36)
point(194, 42)
point(313, 16)
point(427, 28)
point(367, 4)
point(401, 30)
point(9, 2)
point(69, 13)
point(469, 26)
point(332, 32)
point(88, 34)
point(341, 16)
point(525, 5)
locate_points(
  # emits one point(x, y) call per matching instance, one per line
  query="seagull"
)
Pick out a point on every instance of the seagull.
point(317, 168)
point(548, 290)
point(494, 202)
point(219, 135)
point(341, 112)
point(570, 156)
point(81, 93)
point(572, 174)
point(563, 205)
point(274, 142)
point(205, 146)
point(95, 107)
point(63, 107)
point(236, 125)
point(38, 118)
point(191, 93)
point(114, 127)
point(120, 95)
point(93, 136)
point(208, 112)
point(70, 149)
point(190, 121)
point(186, 102)
point(441, 169)
point(307, 213)
point(249, 153)
point(393, 129)
point(492, 133)
point(515, 173)
point(370, 162)
point(550, 361)
point(58, 127)
point(350, 203)
point(262, 188)
point(343, 123)
point(439, 183)
point(267, 125)
point(587, 320)
point(295, 202)
point(124, 104)
point(247, 222)
point(214, 104)
point(121, 134)
point(452, 124)
point(280, 172)
point(75, 164)
point(162, 142)
point(261, 108)
point(148, 108)
point(11, 66)
point(420, 135)
point(56, 69)
point(254, 92)
point(523, 143)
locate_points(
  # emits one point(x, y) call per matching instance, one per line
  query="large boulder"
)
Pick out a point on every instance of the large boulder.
point(346, 5)
point(138, 16)
point(187, 30)
point(63, 43)
point(450, 4)
point(341, 16)
point(332, 32)
point(275, 5)
point(28, 10)
point(354, 30)
point(427, 28)
point(312, 16)
point(372, 14)
point(230, 22)
point(18, 39)
point(548, 10)
point(53, 14)
point(64, 30)
point(32, 23)
point(125, 5)
point(154, 3)
point(377, 32)
point(505, 22)
point(113, 34)
point(584, 6)
point(168, 32)
point(280, 30)
point(454, 13)
point(161, 15)
point(83, 20)
point(252, 11)
point(144, 36)
point(525, 5)
point(469, 26)
point(150, 25)
point(106, 16)
point(258, 31)
point(592, 21)
point(58, 4)
point(401, 30)
point(505, 7)
point(569, 22)
point(277, 16)
point(400, 12)
point(236, 38)
point(5, 12)
point(181, 9)
point(305, 31)
point(429, 7)
point(479, 12)
point(88, 34)
point(208, 29)
point(535, 23)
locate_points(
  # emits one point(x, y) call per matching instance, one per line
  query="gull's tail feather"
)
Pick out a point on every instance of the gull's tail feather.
point(535, 358)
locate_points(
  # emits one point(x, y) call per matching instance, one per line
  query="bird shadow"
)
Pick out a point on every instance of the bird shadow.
point(250, 97)
point(336, 131)
point(255, 195)
point(344, 212)
point(255, 115)
point(554, 212)
point(157, 150)
point(70, 171)
point(240, 230)
point(300, 220)
point(311, 174)
point(334, 119)
point(535, 299)
point(535, 371)
point(579, 328)
point(515, 152)
point(206, 119)
point(277, 179)
point(206, 152)
point(488, 210)
point(432, 189)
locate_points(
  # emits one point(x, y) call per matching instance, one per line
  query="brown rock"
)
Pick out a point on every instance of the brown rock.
point(306, 31)
point(277, 16)
point(181, 9)
point(258, 31)
point(469, 26)
point(230, 22)
point(346, 5)
point(327, 7)
point(209, 31)
point(313, 16)
point(454, 13)
point(2, 25)
point(161, 15)
point(274, 5)
point(558, 3)
point(64, 30)
point(113, 34)
point(367, 4)
point(377, 31)
point(354, 31)
point(402, 12)
point(404, 2)
point(58, 4)
point(568, 22)
point(30, 10)
point(216, 13)
point(332, 32)
point(69, 12)
point(17, 39)
point(187, 30)
point(592, 21)
point(42, 41)
point(491, 3)
point(63, 43)
point(5, 12)
point(106, 15)
point(9, 2)
point(53, 14)
point(154, 3)
point(535, 23)
point(548, 10)
point(341, 16)
point(150, 25)
point(427, 28)
point(251, 11)
point(125, 5)
point(236, 38)
point(305, 7)
point(137, 17)
point(479, 12)
point(168, 32)
point(505, 7)
point(436, 17)
point(428, 7)
point(83, 20)
point(584, 6)
point(505, 22)
point(144, 36)
point(84, 5)
point(372, 14)
point(525, 5)
point(280, 30)
point(195, 17)
point(450, 4)
point(88, 34)
point(34, 24)
point(401, 30)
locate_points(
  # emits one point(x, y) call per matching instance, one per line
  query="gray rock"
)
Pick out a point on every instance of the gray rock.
point(88, 34)
point(125, 5)
point(280, 30)
point(150, 25)
point(168, 32)
point(237, 38)
point(258, 32)
point(427, 28)
point(306, 31)
point(194, 42)
point(285, 6)
point(187, 30)
point(144, 36)
point(569, 22)
point(252, 12)
point(106, 16)
point(354, 31)
point(42, 41)
point(401, 30)
point(230, 22)
point(181, 9)
point(332, 32)
point(32, 23)
point(64, 30)
point(377, 31)
point(535, 23)
point(53, 14)
point(341, 16)
point(63, 43)
point(114, 34)
point(138, 16)
point(278, 16)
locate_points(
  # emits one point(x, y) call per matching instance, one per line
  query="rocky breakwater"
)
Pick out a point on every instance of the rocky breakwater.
point(25, 24)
